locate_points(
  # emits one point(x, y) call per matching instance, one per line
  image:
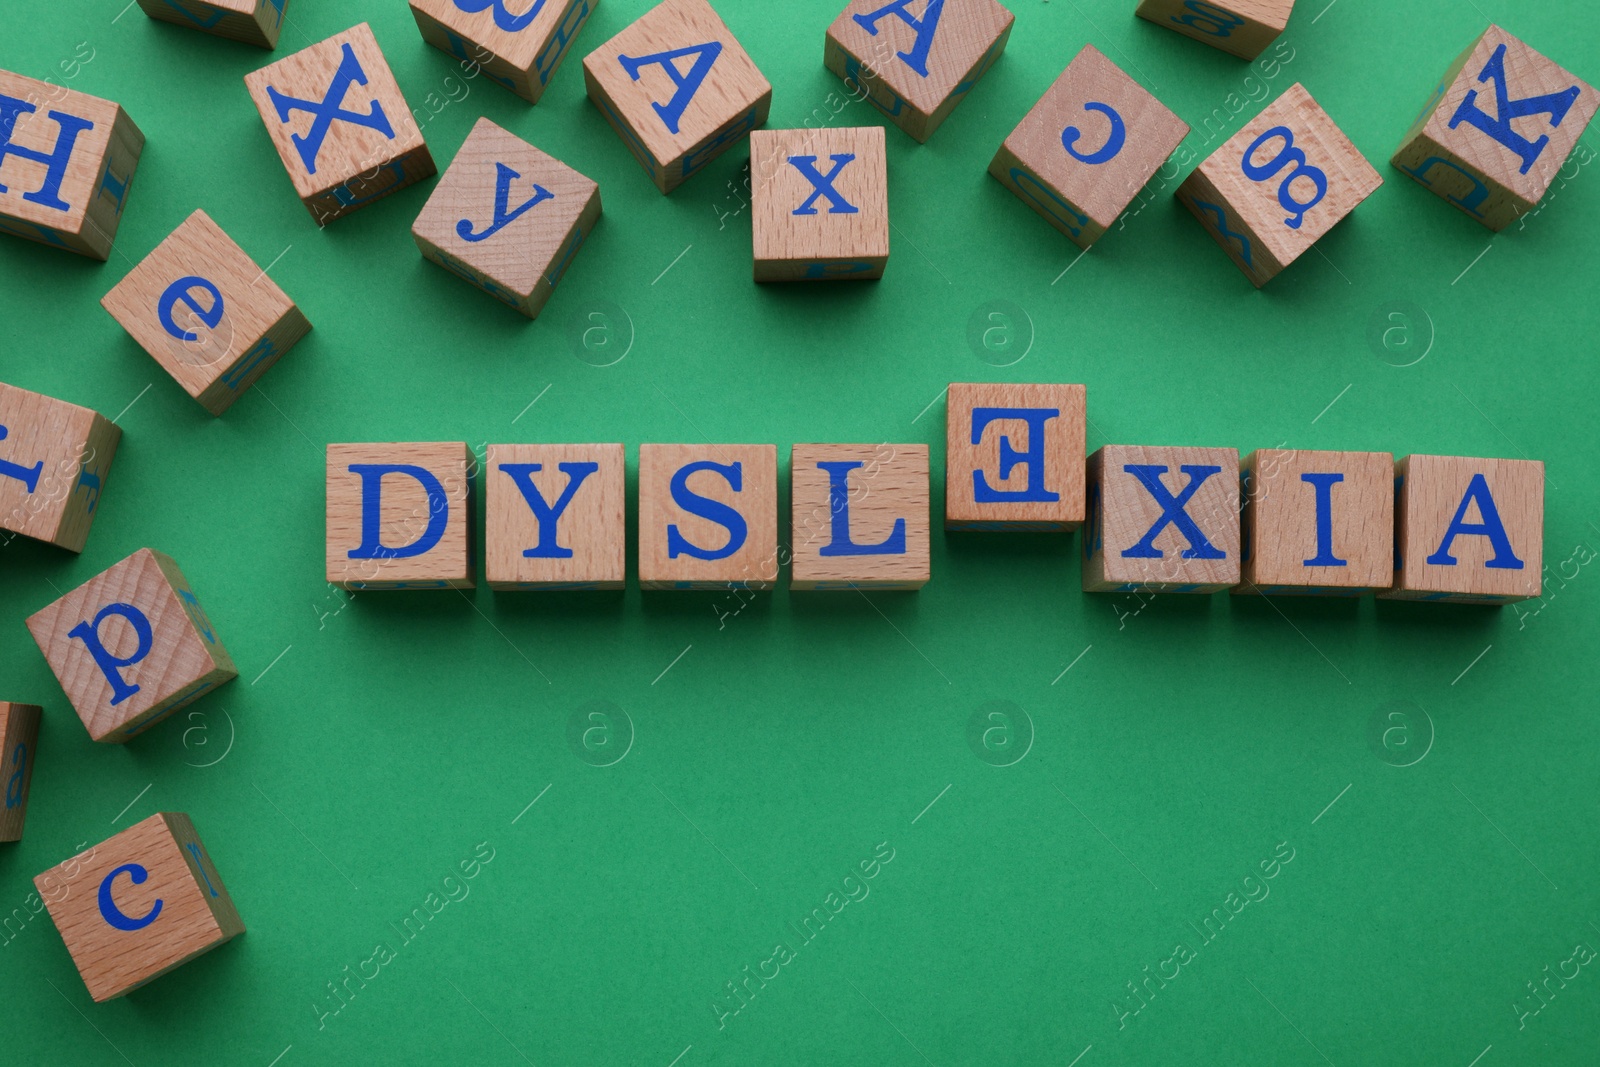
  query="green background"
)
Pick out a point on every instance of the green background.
point(373, 742)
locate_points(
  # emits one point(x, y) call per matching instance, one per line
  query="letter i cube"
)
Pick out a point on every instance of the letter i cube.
point(139, 904)
point(708, 516)
point(1318, 523)
point(339, 123)
point(19, 737)
point(860, 517)
point(1241, 27)
point(819, 204)
point(678, 88)
point(1014, 457)
point(250, 21)
point(399, 515)
point(1084, 151)
point(1162, 520)
point(66, 161)
point(519, 48)
point(554, 517)
point(54, 459)
point(1497, 130)
point(1278, 185)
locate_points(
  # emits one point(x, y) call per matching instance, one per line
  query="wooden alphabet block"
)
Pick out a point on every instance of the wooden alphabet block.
point(819, 203)
point(66, 162)
point(708, 516)
point(507, 218)
point(54, 459)
point(1240, 27)
point(1278, 185)
point(340, 125)
point(251, 21)
point(860, 516)
point(1014, 457)
point(1469, 531)
point(19, 738)
point(1162, 520)
point(1465, 147)
point(916, 67)
point(519, 49)
point(204, 311)
point(554, 517)
point(400, 515)
point(1084, 151)
point(678, 89)
point(131, 646)
point(139, 904)
point(1318, 523)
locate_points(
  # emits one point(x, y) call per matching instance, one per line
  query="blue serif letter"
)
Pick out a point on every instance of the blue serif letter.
point(330, 109)
point(1498, 125)
point(372, 546)
point(924, 28)
point(1033, 491)
point(111, 666)
point(1172, 512)
point(549, 515)
point(1504, 558)
point(55, 161)
point(19, 760)
point(28, 476)
point(1323, 484)
point(688, 84)
point(839, 504)
point(822, 184)
point(181, 292)
point(108, 907)
point(503, 177)
point(1116, 137)
point(713, 510)
point(503, 18)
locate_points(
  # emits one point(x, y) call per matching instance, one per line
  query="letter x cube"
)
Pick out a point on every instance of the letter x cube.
point(399, 515)
point(54, 459)
point(1241, 27)
point(819, 204)
point(1162, 520)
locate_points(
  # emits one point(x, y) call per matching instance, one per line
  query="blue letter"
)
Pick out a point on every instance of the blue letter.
point(372, 546)
point(714, 510)
point(1324, 483)
point(822, 184)
point(503, 176)
point(1172, 512)
point(1033, 458)
point(503, 18)
point(1225, 233)
point(19, 760)
point(110, 666)
point(1491, 527)
point(548, 515)
point(1498, 126)
point(177, 292)
point(1114, 139)
point(108, 907)
point(672, 111)
point(330, 109)
point(917, 58)
point(839, 504)
point(194, 849)
point(55, 161)
point(28, 476)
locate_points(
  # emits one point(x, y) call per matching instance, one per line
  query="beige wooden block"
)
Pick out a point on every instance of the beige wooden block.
point(1278, 185)
point(54, 459)
point(1014, 457)
point(1083, 152)
point(916, 61)
point(1241, 27)
point(1468, 531)
point(819, 203)
point(1497, 130)
point(678, 88)
point(337, 118)
point(518, 44)
point(507, 218)
point(1162, 520)
point(66, 162)
point(860, 517)
point(251, 21)
point(19, 741)
point(400, 515)
point(131, 646)
point(139, 904)
point(1317, 523)
point(554, 517)
point(708, 516)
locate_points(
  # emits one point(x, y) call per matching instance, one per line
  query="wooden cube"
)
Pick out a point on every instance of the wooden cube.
point(131, 646)
point(1014, 457)
point(1468, 531)
point(507, 218)
point(819, 203)
point(139, 904)
point(519, 48)
point(916, 66)
point(19, 738)
point(400, 515)
point(250, 21)
point(339, 123)
point(1162, 520)
point(204, 311)
point(66, 162)
point(54, 459)
point(1084, 151)
point(1241, 27)
point(708, 516)
point(860, 516)
point(1465, 147)
point(678, 89)
point(554, 517)
point(1318, 523)
point(1278, 184)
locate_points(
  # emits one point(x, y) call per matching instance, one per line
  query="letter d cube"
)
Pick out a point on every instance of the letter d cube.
point(1162, 520)
point(399, 515)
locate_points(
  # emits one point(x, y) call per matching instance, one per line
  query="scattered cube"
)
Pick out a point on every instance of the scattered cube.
point(1162, 520)
point(339, 123)
point(139, 904)
point(1278, 185)
point(250, 21)
point(19, 737)
point(915, 68)
point(1241, 27)
point(1084, 151)
point(1464, 146)
point(1318, 523)
point(131, 646)
point(678, 89)
point(507, 218)
point(554, 517)
point(520, 50)
point(66, 161)
point(204, 311)
point(1014, 457)
point(1468, 531)
point(708, 516)
point(819, 203)
point(399, 515)
point(54, 458)
point(860, 516)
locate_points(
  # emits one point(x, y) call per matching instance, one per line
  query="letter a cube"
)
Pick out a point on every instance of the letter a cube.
point(1497, 130)
point(1084, 151)
point(54, 458)
point(399, 515)
point(1278, 185)
point(507, 218)
point(1162, 520)
point(519, 43)
point(250, 21)
point(678, 89)
point(708, 516)
point(819, 204)
point(860, 516)
point(1318, 523)
point(66, 161)
point(1241, 27)
point(554, 517)
point(339, 123)
point(1014, 457)
point(139, 904)
point(19, 736)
